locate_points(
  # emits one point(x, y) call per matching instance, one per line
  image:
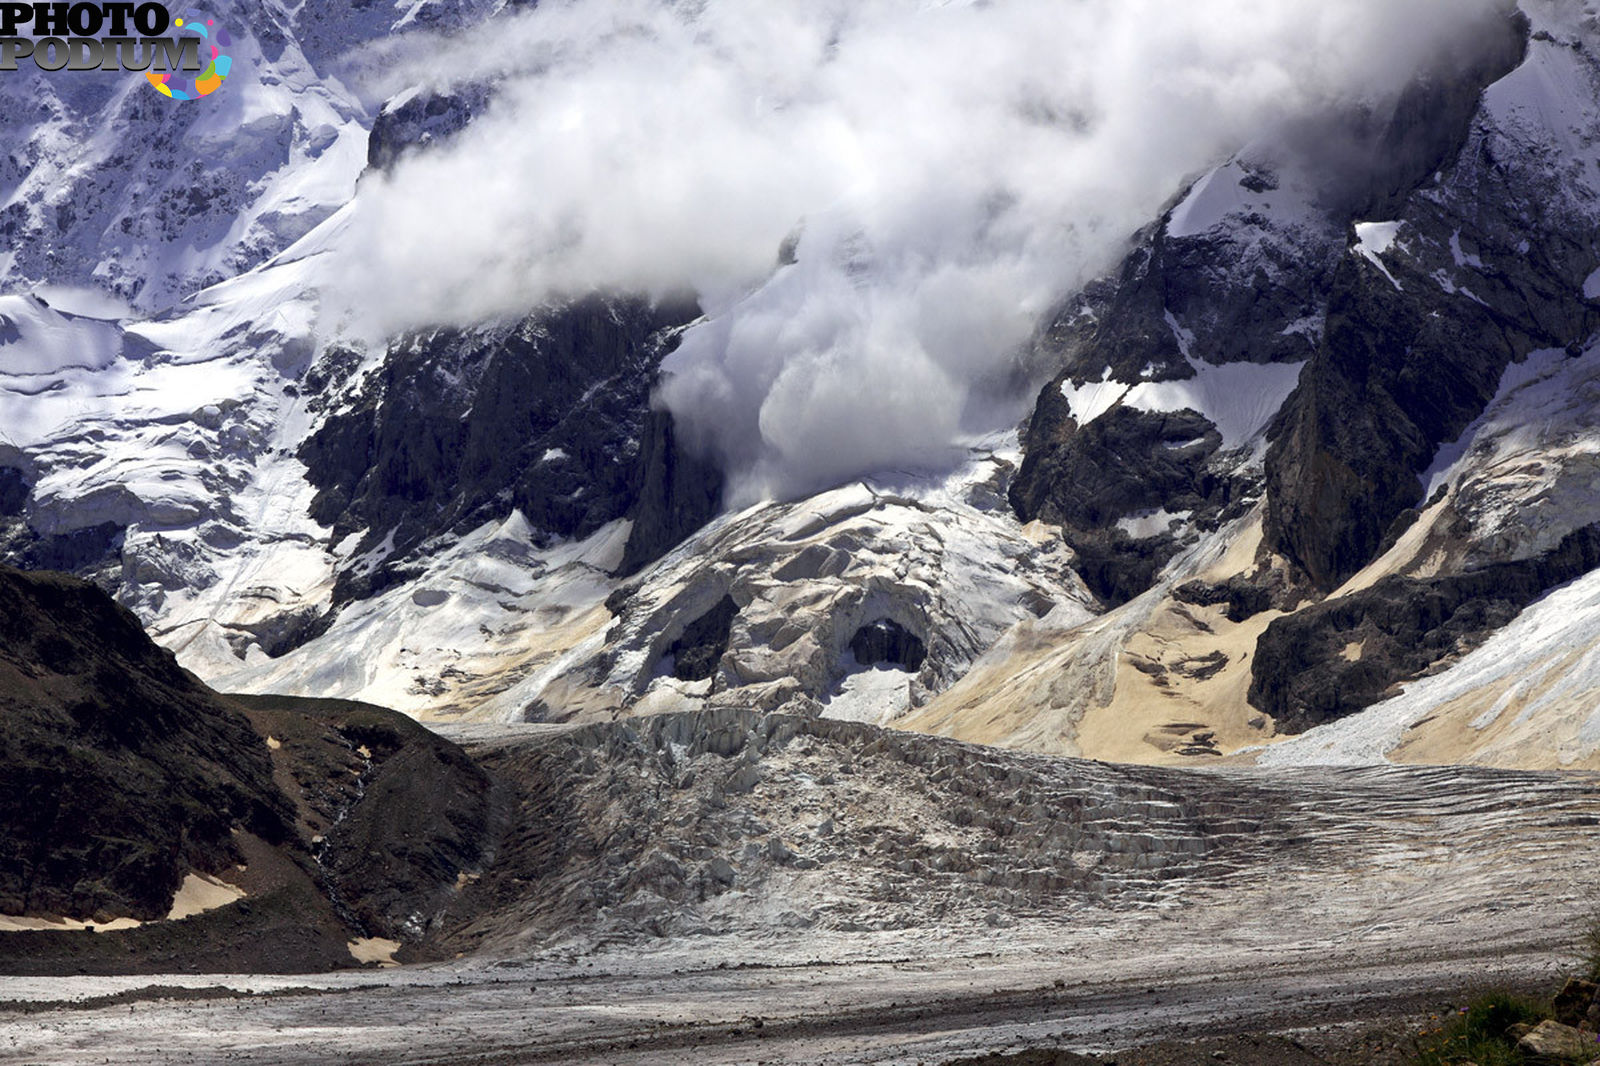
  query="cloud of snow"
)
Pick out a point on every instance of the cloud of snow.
point(952, 169)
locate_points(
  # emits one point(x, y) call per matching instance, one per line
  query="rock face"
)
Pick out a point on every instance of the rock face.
point(1129, 428)
point(123, 772)
point(1437, 301)
point(1422, 324)
point(1339, 657)
point(421, 119)
point(675, 494)
point(546, 416)
point(1121, 464)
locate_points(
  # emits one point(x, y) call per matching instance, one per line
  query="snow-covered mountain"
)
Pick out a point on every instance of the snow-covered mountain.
point(1314, 458)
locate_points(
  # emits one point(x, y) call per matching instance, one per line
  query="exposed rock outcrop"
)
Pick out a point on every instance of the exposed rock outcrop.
point(546, 416)
point(1336, 658)
point(675, 493)
point(1487, 262)
point(1268, 281)
point(422, 119)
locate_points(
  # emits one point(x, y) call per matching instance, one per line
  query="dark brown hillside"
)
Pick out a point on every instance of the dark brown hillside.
point(122, 772)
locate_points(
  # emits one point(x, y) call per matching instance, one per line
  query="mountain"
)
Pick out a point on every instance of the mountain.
point(1114, 557)
point(1311, 454)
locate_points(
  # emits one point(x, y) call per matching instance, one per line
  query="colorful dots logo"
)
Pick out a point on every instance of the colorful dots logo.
point(214, 44)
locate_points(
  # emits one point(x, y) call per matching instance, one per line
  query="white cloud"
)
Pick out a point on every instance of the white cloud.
point(957, 166)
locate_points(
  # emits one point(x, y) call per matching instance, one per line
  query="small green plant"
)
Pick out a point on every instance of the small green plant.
point(1479, 1035)
point(1589, 948)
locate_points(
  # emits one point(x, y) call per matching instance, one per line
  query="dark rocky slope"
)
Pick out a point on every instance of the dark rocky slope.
point(1336, 658)
point(393, 815)
point(549, 415)
point(123, 774)
point(122, 771)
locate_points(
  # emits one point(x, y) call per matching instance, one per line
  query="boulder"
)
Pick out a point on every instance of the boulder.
point(1556, 1041)
point(1573, 1002)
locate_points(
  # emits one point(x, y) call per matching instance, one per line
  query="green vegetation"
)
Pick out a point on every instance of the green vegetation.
point(1479, 1036)
point(1589, 949)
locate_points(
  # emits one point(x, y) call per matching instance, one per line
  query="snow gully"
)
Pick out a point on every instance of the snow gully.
point(66, 36)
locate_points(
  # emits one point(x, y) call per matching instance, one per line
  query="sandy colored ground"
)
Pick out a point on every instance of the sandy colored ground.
point(1141, 684)
point(374, 949)
point(1144, 684)
point(196, 895)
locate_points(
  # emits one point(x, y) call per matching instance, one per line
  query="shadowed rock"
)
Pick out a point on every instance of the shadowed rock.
point(1336, 658)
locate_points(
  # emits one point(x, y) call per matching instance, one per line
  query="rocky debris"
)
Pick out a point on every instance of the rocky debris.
point(1336, 658)
point(458, 427)
point(1250, 1049)
point(1052, 1057)
point(122, 772)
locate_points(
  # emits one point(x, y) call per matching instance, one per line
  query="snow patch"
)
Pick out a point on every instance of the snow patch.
point(1151, 523)
point(1463, 259)
point(1374, 239)
point(1240, 399)
point(1224, 195)
point(1505, 410)
point(37, 340)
